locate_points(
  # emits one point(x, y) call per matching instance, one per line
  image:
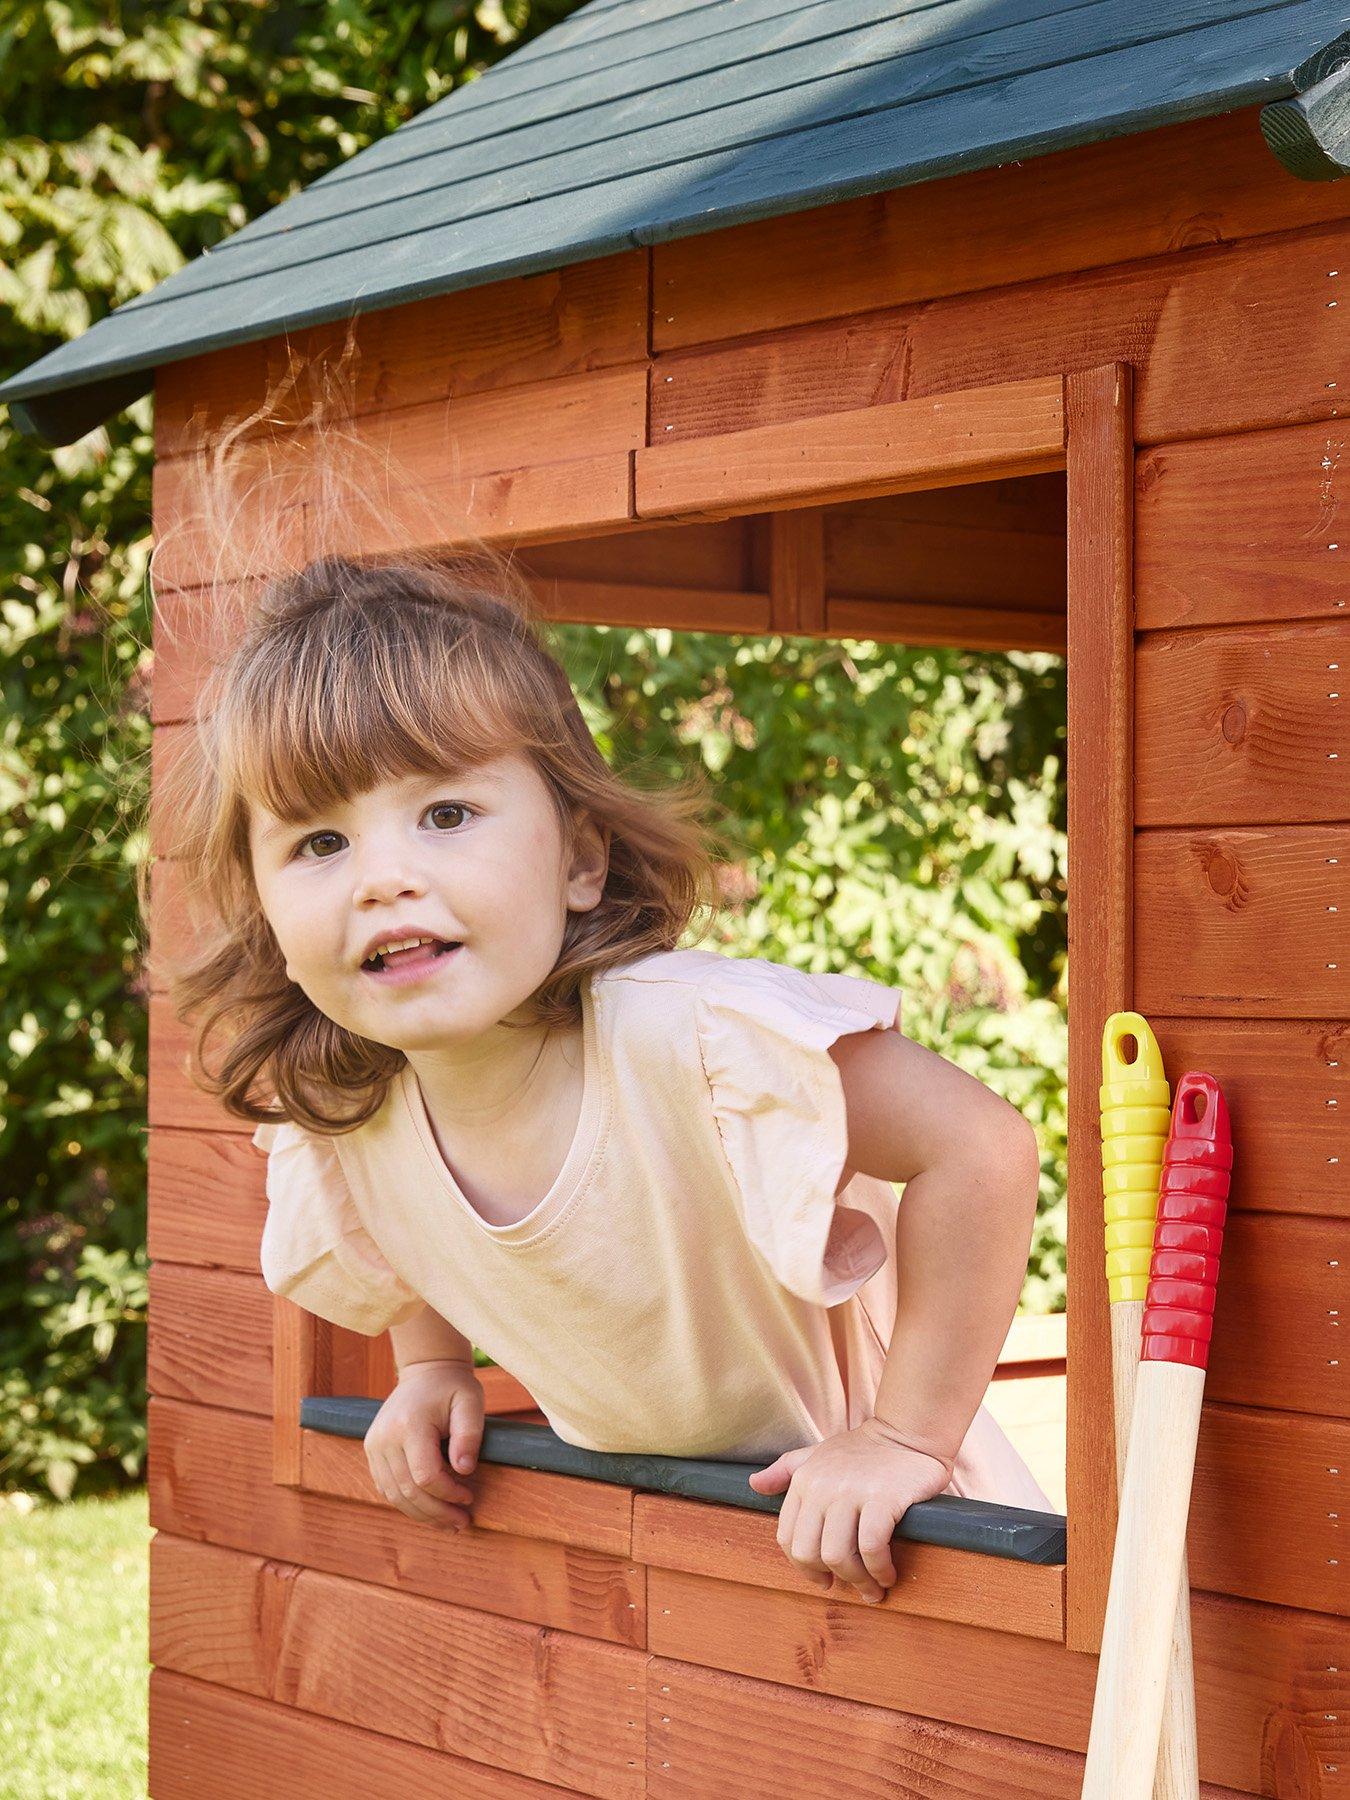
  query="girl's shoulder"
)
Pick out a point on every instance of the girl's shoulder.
point(709, 1010)
point(754, 983)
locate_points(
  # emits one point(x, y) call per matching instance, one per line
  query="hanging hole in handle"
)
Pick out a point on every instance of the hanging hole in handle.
point(1127, 1047)
point(1193, 1106)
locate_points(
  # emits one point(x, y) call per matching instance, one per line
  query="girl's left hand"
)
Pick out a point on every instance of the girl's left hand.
point(845, 1497)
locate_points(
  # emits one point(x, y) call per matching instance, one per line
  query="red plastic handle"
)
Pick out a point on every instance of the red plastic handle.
point(1183, 1275)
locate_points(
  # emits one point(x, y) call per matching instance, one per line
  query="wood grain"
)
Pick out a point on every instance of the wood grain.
point(522, 1697)
point(731, 1544)
point(545, 1548)
point(1236, 530)
point(1223, 339)
point(1271, 1681)
point(1176, 189)
point(1243, 727)
point(1242, 922)
point(1098, 411)
point(977, 433)
point(700, 1721)
point(210, 1743)
point(588, 316)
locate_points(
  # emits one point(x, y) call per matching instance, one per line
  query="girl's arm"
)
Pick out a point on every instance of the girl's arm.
point(971, 1165)
point(427, 1337)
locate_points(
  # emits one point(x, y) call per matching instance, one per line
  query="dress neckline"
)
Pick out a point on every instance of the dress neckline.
point(576, 1164)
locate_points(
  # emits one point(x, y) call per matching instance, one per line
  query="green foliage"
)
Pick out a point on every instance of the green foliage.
point(899, 812)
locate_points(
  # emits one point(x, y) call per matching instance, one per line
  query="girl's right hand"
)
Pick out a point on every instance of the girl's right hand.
point(432, 1401)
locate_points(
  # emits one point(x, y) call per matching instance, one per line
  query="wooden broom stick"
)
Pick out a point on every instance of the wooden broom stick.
point(1136, 1115)
point(1160, 1459)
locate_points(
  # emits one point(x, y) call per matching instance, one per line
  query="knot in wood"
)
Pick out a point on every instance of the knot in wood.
point(1221, 872)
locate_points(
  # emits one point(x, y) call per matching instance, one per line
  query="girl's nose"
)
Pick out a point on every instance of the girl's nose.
point(383, 879)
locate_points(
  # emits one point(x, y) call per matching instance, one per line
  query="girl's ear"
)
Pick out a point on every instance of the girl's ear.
point(590, 861)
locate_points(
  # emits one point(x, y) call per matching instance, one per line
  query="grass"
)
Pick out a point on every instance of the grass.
point(74, 1664)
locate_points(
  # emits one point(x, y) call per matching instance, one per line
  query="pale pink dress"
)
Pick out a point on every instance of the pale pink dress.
point(692, 1284)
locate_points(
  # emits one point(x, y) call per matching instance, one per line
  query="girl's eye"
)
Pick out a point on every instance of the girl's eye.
point(437, 806)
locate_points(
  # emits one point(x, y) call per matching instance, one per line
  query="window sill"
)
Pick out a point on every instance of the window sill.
point(996, 1567)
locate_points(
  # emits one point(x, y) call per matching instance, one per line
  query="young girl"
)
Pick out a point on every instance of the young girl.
point(653, 1182)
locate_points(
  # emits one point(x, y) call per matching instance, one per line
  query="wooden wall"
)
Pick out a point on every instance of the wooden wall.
point(591, 1639)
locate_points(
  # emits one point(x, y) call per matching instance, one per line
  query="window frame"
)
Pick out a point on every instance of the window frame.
point(1079, 422)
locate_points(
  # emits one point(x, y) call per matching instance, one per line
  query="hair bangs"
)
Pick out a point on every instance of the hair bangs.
point(325, 720)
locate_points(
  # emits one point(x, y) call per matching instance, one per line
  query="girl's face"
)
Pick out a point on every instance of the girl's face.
point(476, 858)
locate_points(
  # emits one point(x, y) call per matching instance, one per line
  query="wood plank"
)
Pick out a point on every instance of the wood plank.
point(966, 627)
point(700, 1721)
point(797, 571)
point(210, 1337)
point(1243, 727)
point(1098, 406)
point(391, 482)
point(207, 1201)
point(1272, 1689)
point(302, 1362)
point(708, 554)
point(976, 434)
point(174, 1099)
point(1239, 922)
point(529, 1502)
point(1283, 1292)
point(1233, 530)
point(986, 550)
point(1030, 1410)
point(1034, 1339)
point(1287, 1083)
point(1176, 188)
point(213, 530)
point(553, 500)
point(548, 1704)
point(599, 411)
point(545, 1548)
point(1222, 339)
point(730, 1543)
point(210, 1743)
point(193, 628)
point(676, 609)
point(1253, 1465)
point(587, 316)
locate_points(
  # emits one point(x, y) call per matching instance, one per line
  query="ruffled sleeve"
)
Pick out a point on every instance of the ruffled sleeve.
point(778, 1099)
point(314, 1248)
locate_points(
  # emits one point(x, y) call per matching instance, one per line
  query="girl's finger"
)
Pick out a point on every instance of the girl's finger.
point(876, 1529)
point(805, 1548)
point(409, 1498)
point(426, 1465)
point(839, 1546)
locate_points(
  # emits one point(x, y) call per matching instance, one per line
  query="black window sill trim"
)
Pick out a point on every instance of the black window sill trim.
point(1012, 1532)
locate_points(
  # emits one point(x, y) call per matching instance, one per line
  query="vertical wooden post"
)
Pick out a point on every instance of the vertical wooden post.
point(302, 1356)
point(797, 572)
point(1098, 407)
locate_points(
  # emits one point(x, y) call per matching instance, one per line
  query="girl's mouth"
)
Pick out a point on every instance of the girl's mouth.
point(406, 966)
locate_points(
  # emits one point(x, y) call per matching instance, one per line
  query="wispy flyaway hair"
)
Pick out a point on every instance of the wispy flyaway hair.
point(320, 675)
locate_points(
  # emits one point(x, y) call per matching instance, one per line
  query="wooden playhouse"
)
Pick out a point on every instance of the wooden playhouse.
point(983, 324)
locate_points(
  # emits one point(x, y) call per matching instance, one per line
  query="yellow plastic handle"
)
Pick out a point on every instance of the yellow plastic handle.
point(1136, 1110)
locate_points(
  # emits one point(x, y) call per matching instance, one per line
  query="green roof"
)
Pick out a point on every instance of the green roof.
point(637, 121)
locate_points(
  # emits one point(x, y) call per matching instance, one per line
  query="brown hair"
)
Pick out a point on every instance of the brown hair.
point(342, 673)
